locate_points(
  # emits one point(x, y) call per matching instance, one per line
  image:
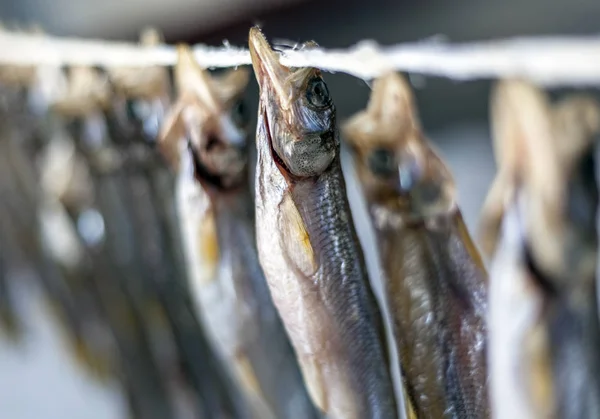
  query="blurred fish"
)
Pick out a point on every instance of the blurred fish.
point(435, 281)
point(308, 246)
point(20, 227)
point(11, 251)
point(19, 187)
point(66, 189)
point(209, 124)
point(17, 175)
point(106, 254)
point(135, 120)
point(10, 323)
point(539, 223)
point(19, 247)
point(100, 282)
point(8, 313)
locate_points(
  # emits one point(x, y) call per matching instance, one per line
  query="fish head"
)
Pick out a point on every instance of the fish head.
point(545, 158)
point(297, 112)
point(210, 115)
point(397, 166)
point(86, 91)
point(576, 125)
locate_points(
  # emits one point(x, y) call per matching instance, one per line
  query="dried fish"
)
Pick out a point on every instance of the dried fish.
point(8, 313)
point(147, 94)
point(539, 223)
point(18, 234)
point(11, 253)
point(308, 246)
point(209, 126)
point(149, 196)
point(105, 286)
point(24, 250)
point(9, 319)
point(66, 188)
point(435, 281)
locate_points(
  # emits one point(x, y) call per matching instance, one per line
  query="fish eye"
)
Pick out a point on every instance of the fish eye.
point(240, 114)
point(381, 162)
point(317, 93)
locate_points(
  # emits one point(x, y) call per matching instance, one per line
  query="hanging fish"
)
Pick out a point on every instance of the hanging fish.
point(17, 236)
point(22, 246)
point(436, 284)
point(209, 124)
point(136, 115)
point(20, 207)
point(308, 246)
point(19, 247)
point(113, 289)
point(539, 226)
point(66, 192)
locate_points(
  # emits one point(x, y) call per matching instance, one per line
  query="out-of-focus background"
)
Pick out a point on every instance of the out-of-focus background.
point(38, 379)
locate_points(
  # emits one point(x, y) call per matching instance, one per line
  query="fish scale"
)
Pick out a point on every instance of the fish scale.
point(275, 364)
point(417, 268)
point(343, 285)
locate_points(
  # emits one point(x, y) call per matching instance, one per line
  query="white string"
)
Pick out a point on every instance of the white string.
point(549, 61)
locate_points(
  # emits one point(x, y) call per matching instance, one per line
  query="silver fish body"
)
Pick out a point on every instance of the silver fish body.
point(330, 314)
point(435, 282)
point(437, 297)
point(234, 302)
point(265, 340)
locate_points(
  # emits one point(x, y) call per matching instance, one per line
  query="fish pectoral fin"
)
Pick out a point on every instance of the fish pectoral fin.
point(249, 382)
point(246, 374)
point(296, 240)
point(539, 379)
point(315, 383)
point(208, 248)
point(409, 408)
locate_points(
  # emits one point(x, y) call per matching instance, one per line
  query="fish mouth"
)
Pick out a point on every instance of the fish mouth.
point(279, 163)
point(202, 173)
point(210, 175)
point(270, 74)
